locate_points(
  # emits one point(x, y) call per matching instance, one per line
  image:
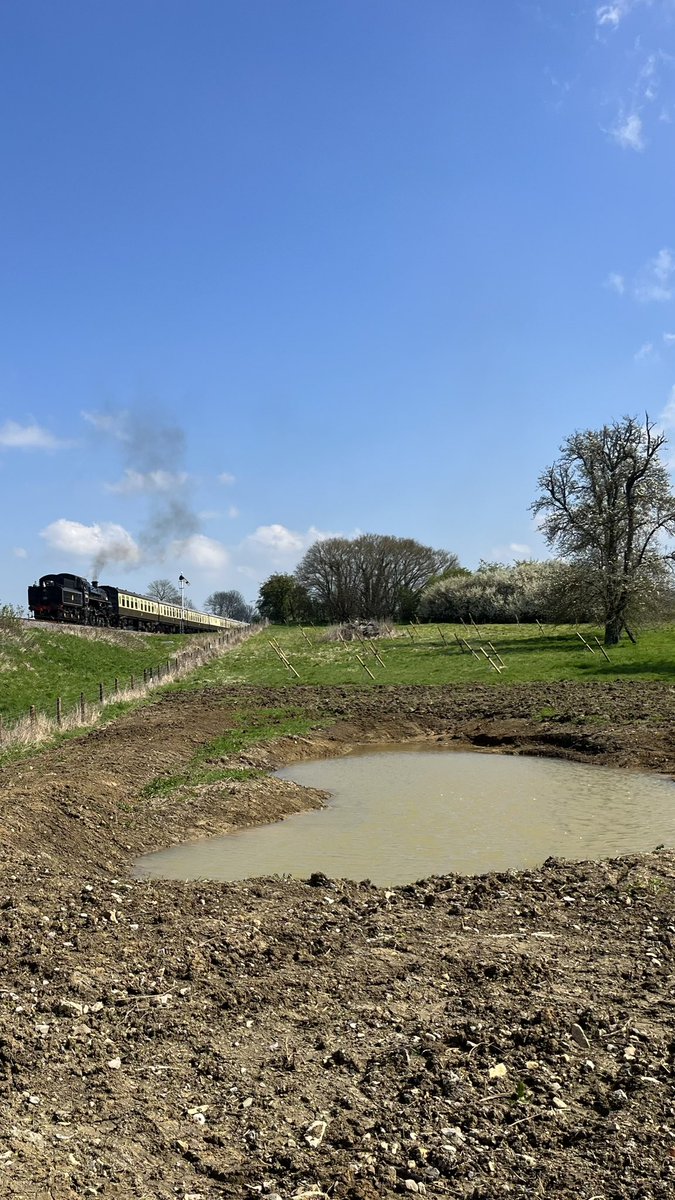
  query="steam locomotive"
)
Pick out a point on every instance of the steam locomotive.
point(74, 600)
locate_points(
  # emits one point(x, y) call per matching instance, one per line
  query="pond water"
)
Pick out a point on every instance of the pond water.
point(396, 816)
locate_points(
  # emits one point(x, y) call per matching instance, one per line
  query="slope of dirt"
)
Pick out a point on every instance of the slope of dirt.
point(505, 1035)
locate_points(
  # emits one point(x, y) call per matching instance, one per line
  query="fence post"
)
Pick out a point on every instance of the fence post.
point(83, 707)
point(145, 675)
point(33, 715)
point(101, 693)
point(133, 683)
point(59, 716)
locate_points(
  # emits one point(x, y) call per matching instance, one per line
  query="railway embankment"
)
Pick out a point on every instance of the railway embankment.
point(478, 1037)
point(57, 678)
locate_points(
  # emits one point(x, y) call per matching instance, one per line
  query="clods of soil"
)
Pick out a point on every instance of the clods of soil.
point(476, 1037)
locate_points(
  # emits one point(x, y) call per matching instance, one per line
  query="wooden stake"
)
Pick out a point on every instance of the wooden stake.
point(364, 665)
point(459, 643)
point(305, 636)
point(33, 715)
point(583, 639)
point(497, 656)
point(491, 662)
point(100, 693)
point(442, 635)
point(83, 707)
point(602, 650)
point(59, 715)
point(284, 659)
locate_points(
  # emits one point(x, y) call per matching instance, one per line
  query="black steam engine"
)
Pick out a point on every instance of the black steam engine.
point(70, 598)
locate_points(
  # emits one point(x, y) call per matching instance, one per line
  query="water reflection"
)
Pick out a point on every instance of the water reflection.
point(399, 815)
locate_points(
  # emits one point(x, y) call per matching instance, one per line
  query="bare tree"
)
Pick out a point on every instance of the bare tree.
point(373, 575)
point(229, 604)
point(606, 505)
point(163, 589)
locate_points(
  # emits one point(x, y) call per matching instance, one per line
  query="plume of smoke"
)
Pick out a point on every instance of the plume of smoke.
point(152, 451)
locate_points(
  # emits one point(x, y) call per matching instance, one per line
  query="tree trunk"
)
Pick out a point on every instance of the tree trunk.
point(613, 627)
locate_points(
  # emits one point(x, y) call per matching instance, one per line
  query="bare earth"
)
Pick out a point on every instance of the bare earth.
point(511, 1034)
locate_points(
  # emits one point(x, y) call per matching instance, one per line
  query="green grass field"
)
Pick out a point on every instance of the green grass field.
point(424, 658)
point(37, 665)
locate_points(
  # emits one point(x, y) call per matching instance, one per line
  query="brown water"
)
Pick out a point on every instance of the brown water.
point(396, 816)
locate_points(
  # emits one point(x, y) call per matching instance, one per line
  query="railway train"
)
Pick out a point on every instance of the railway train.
point(72, 599)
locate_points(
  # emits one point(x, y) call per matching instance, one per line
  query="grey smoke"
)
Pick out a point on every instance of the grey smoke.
point(148, 444)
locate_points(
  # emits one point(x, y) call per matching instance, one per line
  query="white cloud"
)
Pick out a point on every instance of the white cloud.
point(114, 424)
point(226, 479)
point(646, 351)
point(201, 551)
point(669, 339)
point(616, 283)
point(233, 512)
point(278, 539)
point(137, 482)
point(105, 541)
point(655, 280)
point(628, 132)
point(29, 437)
point(19, 552)
point(612, 14)
point(513, 551)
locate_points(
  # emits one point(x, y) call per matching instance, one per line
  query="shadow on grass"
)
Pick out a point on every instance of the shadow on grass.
point(645, 670)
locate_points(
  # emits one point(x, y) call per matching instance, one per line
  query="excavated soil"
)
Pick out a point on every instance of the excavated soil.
point(510, 1034)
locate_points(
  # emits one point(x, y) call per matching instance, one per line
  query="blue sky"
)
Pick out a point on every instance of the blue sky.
point(272, 270)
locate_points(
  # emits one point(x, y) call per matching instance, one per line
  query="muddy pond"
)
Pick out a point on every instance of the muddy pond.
point(395, 816)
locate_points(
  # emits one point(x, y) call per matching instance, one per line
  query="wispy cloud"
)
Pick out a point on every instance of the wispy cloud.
point(628, 132)
point(646, 351)
point(19, 552)
point(514, 551)
point(30, 437)
point(226, 479)
point(616, 283)
point(610, 16)
point(233, 512)
point(136, 482)
point(669, 339)
point(655, 280)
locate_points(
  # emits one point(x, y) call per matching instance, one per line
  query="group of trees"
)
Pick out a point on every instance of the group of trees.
point(339, 578)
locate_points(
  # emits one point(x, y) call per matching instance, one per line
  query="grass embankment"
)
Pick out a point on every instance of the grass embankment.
point(419, 655)
point(37, 665)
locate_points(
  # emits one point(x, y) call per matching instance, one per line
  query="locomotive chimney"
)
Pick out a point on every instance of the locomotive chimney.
point(94, 583)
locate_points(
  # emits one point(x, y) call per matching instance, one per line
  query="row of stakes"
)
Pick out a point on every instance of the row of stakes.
point(491, 655)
